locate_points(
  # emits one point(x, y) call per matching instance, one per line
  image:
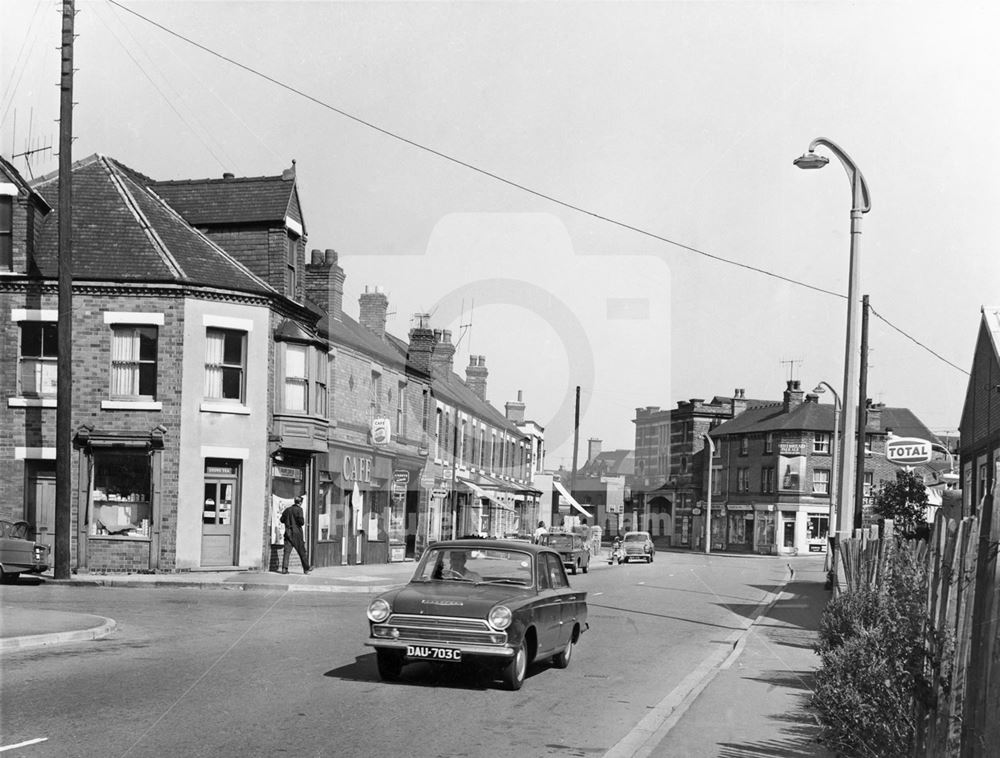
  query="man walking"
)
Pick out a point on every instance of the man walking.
point(293, 519)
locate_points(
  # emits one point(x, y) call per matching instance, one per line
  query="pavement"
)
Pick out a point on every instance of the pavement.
point(748, 699)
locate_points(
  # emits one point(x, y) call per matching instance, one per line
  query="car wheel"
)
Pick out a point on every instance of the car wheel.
point(513, 673)
point(390, 664)
point(9, 577)
point(586, 567)
point(561, 660)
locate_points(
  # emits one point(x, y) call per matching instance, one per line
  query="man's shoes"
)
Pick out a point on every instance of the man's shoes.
point(307, 571)
point(284, 571)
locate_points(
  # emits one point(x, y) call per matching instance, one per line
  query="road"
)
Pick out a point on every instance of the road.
point(193, 672)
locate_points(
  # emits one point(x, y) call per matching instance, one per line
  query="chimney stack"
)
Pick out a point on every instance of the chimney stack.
point(793, 395)
point(739, 401)
point(372, 311)
point(325, 282)
point(593, 448)
point(444, 352)
point(515, 410)
point(475, 375)
point(421, 345)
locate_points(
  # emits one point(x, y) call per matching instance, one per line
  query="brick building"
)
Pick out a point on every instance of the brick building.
point(172, 373)
point(772, 473)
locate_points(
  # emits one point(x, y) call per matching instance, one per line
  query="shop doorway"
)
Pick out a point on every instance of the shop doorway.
point(220, 513)
point(40, 502)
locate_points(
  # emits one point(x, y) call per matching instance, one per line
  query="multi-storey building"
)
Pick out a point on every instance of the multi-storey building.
point(773, 474)
point(670, 468)
point(173, 365)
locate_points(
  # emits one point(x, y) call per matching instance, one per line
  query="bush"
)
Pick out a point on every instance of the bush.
point(875, 665)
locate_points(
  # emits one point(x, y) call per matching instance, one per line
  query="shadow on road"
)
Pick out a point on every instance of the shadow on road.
point(468, 676)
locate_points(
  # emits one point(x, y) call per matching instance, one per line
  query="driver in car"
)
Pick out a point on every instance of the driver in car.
point(457, 568)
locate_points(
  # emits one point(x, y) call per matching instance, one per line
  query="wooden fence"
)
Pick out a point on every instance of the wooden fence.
point(963, 625)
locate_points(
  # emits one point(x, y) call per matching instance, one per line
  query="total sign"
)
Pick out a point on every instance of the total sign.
point(907, 450)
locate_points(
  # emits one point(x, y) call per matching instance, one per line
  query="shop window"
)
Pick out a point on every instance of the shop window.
point(225, 364)
point(821, 442)
point(817, 527)
point(133, 362)
point(39, 353)
point(121, 495)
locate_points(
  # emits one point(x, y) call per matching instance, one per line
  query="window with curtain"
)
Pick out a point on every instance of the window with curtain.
point(6, 232)
point(39, 357)
point(133, 362)
point(319, 407)
point(296, 378)
point(225, 364)
point(821, 481)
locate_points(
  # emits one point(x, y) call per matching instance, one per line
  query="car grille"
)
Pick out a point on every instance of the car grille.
point(444, 629)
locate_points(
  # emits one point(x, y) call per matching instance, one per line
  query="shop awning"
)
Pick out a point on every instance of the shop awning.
point(572, 501)
point(478, 491)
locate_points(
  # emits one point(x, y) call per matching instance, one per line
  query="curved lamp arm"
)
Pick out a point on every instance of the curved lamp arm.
point(861, 200)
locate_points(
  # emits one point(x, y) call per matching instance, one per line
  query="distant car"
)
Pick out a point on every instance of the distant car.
point(494, 602)
point(574, 551)
point(18, 554)
point(638, 545)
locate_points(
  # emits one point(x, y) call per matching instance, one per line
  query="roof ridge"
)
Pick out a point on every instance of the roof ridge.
point(147, 227)
point(221, 180)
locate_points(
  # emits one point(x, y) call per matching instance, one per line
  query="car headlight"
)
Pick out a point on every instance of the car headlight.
point(378, 610)
point(500, 617)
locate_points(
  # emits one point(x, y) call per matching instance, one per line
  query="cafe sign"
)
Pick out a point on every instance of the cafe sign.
point(905, 451)
point(381, 431)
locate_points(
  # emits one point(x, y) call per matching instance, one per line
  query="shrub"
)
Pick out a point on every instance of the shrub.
point(875, 666)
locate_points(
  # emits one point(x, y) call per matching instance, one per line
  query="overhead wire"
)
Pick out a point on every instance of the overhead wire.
point(504, 180)
point(15, 80)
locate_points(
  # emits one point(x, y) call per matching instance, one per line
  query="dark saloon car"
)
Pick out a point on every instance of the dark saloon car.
point(574, 550)
point(494, 602)
point(18, 554)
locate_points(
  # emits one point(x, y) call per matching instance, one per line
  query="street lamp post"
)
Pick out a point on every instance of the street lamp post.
point(708, 496)
point(860, 204)
point(833, 455)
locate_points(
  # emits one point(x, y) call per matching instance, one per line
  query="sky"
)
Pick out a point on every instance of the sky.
point(592, 194)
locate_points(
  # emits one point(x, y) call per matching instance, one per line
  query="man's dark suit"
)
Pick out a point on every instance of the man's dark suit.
point(293, 520)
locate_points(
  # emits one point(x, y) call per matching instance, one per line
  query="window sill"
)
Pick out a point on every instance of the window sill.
point(118, 537)
point(131, 405)
point(31, 402)
point(216, 406)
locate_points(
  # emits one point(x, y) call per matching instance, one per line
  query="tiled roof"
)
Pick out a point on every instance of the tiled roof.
point(235, 200)
point(809, 416)
point(610, 463)
point(124, 233)
point(344, 330)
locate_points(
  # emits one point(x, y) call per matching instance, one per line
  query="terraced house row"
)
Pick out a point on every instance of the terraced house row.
point(216, 376)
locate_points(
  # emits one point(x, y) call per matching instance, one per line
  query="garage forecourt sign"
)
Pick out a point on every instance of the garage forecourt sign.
point(905, 451)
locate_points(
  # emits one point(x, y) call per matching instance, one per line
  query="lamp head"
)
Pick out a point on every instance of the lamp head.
point(819, 389)
point(811, 160)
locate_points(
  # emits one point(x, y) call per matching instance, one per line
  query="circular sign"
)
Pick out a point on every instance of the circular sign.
point(696, 511)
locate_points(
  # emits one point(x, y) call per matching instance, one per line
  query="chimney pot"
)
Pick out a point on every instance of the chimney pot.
point(227, 175)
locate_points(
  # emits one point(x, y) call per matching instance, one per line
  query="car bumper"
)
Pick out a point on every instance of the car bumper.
point(477, 650)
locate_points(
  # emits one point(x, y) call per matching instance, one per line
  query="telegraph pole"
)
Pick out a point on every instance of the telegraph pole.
point(64, 365)
point(576, 441)
point(859, 478)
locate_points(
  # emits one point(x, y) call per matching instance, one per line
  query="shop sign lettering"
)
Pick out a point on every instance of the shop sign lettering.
point(907, 450)
point(357, 468)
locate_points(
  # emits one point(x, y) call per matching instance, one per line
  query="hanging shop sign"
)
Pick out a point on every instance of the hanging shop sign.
point(905, 451)
point(400, 476)
point(381, 431)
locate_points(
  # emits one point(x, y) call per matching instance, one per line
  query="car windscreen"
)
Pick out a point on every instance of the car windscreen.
point(635, 537)
point(466, 564)
point(559, 541)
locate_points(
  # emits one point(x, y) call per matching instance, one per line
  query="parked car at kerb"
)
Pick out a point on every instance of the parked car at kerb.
point(496, 603)
point(638, 545)
point(18, 554)
point(574, 550)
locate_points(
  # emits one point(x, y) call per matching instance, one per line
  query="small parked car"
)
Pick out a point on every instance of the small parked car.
point(574, 551)
point(496, 603)
point(638, 545)
point(18, 553)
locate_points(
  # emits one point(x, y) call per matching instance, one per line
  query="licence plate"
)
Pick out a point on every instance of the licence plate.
point(433, 653)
